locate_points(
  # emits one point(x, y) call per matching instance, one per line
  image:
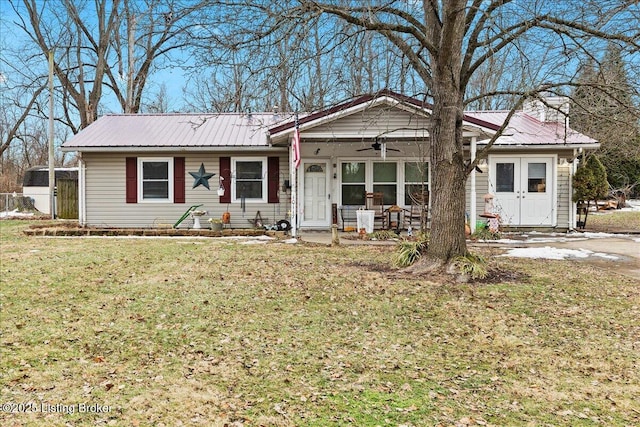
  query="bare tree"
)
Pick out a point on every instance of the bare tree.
point(160, 103)
point(82, 80)
point(447, 44)
point(105, 53)
point(108, 51)
point(264, 51)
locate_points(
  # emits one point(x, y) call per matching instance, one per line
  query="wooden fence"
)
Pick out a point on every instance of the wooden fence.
point(67, 198)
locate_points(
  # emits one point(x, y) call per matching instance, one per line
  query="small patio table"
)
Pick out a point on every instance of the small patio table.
point(395, 209)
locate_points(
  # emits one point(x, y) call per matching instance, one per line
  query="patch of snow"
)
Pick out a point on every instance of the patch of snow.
point(552, 239)
point(535, 233)
point(290, 241)
point(600, 235)
point(507, 241)
point(573, 237)
point(15, 214)
point(548, 252)
point(254, 242)
point(537, 237)
point(605, 256)
point(632, 205)
point(266, 238)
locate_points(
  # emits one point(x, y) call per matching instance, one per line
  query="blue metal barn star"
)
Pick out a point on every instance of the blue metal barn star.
point(202, 177)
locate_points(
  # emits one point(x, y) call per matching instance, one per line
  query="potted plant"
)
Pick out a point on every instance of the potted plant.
point(216, 224)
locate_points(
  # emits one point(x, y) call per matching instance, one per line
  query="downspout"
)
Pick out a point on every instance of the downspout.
point(572, 205)
point(82, 205)
point(574, 168)
point(472, 214)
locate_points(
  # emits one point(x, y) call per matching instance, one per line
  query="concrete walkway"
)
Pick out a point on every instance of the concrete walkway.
point(615, 252)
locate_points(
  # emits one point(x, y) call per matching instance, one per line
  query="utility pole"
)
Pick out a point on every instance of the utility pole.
point(52, 166)
point(131, 29)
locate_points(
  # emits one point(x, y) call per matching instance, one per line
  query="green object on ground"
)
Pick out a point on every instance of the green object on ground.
point(186, 214)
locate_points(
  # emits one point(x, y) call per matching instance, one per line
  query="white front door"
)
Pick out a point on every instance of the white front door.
point(316, 203)
point(524, 191)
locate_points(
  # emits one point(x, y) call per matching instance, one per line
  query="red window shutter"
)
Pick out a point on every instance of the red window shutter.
point(178, 180)
point(273, 179)
point(225, 172)
point(132, 179)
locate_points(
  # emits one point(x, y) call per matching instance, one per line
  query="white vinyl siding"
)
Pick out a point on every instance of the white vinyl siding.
point(565, 204)
point(482, 188)
point(106, 195)
point(374, 122)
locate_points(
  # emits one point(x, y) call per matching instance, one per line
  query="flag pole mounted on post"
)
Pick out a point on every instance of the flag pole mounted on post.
point(295, 164)
point(296, 145)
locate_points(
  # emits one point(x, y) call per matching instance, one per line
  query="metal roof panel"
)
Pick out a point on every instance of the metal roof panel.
point(526, 130)
point(175, 130)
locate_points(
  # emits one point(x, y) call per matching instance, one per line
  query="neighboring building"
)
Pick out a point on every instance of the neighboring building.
point(35, 185)
point(141, 170)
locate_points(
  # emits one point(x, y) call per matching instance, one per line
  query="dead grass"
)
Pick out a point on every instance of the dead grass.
point(205, 332)
point(614, 221)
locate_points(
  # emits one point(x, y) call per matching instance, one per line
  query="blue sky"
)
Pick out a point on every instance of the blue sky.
point(11, 36)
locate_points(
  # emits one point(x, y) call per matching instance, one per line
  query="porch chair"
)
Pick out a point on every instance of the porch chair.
point(418, 212)
point(375, 202)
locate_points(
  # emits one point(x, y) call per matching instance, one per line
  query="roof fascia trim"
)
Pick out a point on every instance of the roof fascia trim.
point(588, 146)
point(163, 149)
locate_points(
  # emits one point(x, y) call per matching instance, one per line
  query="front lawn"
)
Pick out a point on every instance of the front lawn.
point(613, 221)
point(137, 332)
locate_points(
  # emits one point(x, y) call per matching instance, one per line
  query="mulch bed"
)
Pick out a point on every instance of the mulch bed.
point(73, 230)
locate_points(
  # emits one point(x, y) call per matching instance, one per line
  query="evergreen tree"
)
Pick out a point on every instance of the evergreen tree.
point(603, 108)
point(590, 184)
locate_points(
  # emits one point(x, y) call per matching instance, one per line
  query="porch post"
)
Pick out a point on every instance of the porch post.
point(572, 206)
point(472, 210)
point(294, 194)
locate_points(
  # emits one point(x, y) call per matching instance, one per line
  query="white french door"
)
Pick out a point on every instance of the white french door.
point(524, 189)
point(316, 203)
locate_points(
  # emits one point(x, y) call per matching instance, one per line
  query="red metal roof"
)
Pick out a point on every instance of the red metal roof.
point(175, 130)
point(526, 130)
point(364, 99)
point(233, 130)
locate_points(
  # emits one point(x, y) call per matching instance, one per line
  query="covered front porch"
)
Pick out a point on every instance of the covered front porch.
point(374, 145)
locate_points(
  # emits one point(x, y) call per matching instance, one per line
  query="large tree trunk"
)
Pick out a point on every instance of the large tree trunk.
point(448, 189)
point(447, 155)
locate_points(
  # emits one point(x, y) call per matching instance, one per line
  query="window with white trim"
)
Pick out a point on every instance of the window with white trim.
point(385, 179)
point(353, 176)
point(155, 179)
point(397, 180)
point(249, 179)
point(416, 179)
